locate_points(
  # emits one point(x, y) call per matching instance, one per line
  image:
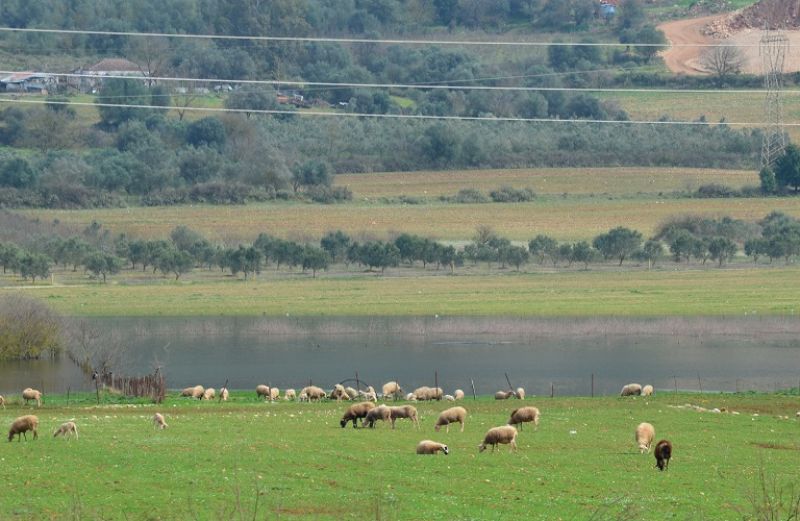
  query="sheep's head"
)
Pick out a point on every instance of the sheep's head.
point(481, 447)
point(343, 422)
point(437, 427)
point(445, 450)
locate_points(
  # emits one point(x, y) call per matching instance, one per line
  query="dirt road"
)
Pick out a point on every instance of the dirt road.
point(681, 32)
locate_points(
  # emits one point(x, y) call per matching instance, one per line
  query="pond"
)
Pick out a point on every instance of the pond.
point(563, 356)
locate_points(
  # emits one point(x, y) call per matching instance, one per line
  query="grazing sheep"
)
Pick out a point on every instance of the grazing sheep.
point(2, 401)
point(194, 392)
point(451, 415)
point(352, 393)
point(32, 394)
point(303, 397)
point(355, 412)
point(431, 447)
point(158, 421)
point(22, 425)
point(223, 394)
point(290, 394)
point(647, 390)
point(411, 398)
point(404, 411)
point(380, 412)
point(262, 390)
point(67, 429)
point(631, 390)
point(503, 395)
point(663, 452)
point(209, 394)
point(392, 389)
point(312, 392)
point(449, 398)
point(645, 433)
point(274, 393)
point(520, 393)
point(369, 394)
point(524, 415)
point(425, 393)
point(459, 394)
point(339, 393)
point(505, 435)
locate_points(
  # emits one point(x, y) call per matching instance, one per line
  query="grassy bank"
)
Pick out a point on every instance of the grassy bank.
point(293, 461)
point(736, 291)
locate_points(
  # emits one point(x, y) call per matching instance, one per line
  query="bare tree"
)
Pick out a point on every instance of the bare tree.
point(151, 55)
point(723, 61)
point(95, 348)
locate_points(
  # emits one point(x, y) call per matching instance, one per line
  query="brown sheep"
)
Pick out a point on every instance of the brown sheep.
point(380, 412)
point(631, 390)
point(262, 390)
point(312, 392)
point(194, 392)
point(404, 411)
point(644, 435)
point(158, 421)
point(503, 395)
point(431, 447)
point(67, 429)
point(32, 394)
point(505, 435)
point(22, 425)
point(451, 415)
point(392, 389)
point(523, 415)
point(356, 411)
point(663, 453)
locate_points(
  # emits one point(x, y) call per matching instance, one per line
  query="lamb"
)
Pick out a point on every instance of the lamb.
point(312, 392)
point(631, 390)
point(449, 398)
point(290, 394)
point(663, 452)
point(32, 394)
point(503, 395)
point(392, 389)
point(451, 415)
point(262, 390)
point(428, 393)
point(158, 421)
point(524, 415)
point(520, 393)
point(352, 393)
point(647, 390)
point(369, 394)
point(459, 394)
point(505, 435)
point(645, 433)
point(380, 412)
point(339, 393)
point(223, 394)
point(22, 425)
point(67, 429)
point(209, 394)
point(194, 392)
point(274, 393)
point(404, 411)
point(431, 447)
point(356, 411)
point(411, 398)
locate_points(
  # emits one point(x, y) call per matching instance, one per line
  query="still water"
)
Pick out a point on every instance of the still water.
point(538, 354)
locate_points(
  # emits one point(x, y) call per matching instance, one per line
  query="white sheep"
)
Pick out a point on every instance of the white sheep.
point(647, 390)
point(380, 412)
point(29, 394)
point(404, 411)
point(67, 429)
point(274, 393)
point(369, 395)
point(355, 412)
point(499, 435)
point(290, 394)
point(503, 395)
point(425, 393)
point(644, 436)
point(194, 392)
point(209, 394)
point(524, 415)
point(631, 390)
point(520, 393)
point(339, 393)
point(2, 401)
point(262, 391)
point(431, 447)
point(449, 398)
point(223, 394)
point(312, 392)
point(158, 421)
point(451, 415)
point(392, 389)
point(22, 425)
point(351, 392)
point(411, 398)
point(459, 394)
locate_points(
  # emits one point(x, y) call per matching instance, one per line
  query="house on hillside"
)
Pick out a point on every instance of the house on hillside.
point(91, 77)
point(30, 82)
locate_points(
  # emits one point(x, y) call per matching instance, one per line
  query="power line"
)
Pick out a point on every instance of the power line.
point(394, 116)
point(319, 39)
point(429, 86)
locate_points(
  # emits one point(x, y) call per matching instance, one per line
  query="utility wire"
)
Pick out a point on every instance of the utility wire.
point(395, 116)
point(361, 40)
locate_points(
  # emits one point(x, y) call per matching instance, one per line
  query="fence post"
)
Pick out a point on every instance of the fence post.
point(358, 385)
point(699, 383)
point(511, 387)
point(675, 379)
point(436, 382)
point(552, 389)
point(474, 396)
point(592, 385)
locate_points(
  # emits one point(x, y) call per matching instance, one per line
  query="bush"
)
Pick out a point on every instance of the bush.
point(468, 196)
point(716, 191)
point(31, 330)
point(328, 195)
point(507, 194)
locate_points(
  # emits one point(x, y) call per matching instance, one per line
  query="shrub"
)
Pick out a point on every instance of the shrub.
point(716, 191)
point(469, 195)
point(507, 194)
point(328, 195)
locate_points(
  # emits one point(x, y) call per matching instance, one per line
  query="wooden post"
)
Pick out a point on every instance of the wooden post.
point(474, 396)
point(68, 390)
point(509, 382)
point(552, 389)
point(436, 381)
point(358, 385)
point(592, 385)
point(219, 400)
point(699, 383)
point(97, 390)
point(675, 379)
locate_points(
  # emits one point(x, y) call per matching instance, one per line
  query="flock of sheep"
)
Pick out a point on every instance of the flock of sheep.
point(369, 413)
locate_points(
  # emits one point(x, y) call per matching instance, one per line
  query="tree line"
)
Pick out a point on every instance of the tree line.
point(686, 240)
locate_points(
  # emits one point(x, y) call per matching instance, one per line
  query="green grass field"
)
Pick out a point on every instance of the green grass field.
point(598, 292)
point(293, 461)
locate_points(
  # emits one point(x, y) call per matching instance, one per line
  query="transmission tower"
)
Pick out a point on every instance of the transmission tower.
point(772, 49)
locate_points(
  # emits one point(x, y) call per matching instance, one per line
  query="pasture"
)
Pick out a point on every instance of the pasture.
point(251, 460)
